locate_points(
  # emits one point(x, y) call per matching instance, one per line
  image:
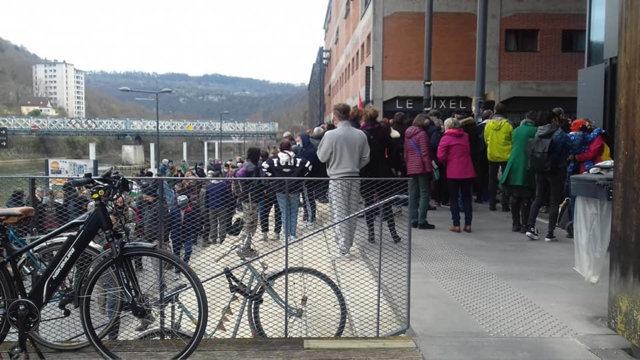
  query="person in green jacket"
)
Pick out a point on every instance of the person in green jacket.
point(497, 136)
point(517, 177)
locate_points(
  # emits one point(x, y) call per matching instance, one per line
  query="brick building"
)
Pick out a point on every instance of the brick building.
point(374, 53)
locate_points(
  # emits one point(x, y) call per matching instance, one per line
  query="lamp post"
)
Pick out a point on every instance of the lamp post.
point(156, 93)
point(220, 137)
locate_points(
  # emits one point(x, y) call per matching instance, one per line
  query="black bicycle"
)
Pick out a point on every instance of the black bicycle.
point(123, 294)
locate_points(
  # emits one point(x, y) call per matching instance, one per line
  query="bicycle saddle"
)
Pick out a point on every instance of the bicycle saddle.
point(10, 216)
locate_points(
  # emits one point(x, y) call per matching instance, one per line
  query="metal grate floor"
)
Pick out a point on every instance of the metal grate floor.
point(499, 308)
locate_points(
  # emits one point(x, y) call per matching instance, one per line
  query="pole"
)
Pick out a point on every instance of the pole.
point(481, 57)
point(220, 141)
point(157, 133)
point(244, 138)
point(428, 36)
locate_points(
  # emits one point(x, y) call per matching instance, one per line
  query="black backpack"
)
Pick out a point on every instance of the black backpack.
point(540, 159)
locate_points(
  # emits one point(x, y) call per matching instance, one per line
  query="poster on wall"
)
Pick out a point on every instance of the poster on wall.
point(66, 168)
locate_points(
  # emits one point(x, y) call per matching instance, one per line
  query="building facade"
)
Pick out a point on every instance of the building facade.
point(63, 84)
point(40, 104)
point(376, 54)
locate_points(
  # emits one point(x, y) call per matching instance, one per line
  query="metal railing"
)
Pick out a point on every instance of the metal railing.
point(108, 127)
point(362, 294)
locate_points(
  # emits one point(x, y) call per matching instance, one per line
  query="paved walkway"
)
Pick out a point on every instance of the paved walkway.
point(494, 295)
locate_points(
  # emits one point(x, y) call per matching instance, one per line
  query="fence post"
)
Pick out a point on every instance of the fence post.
point(409, 241)
point(382, 219)
point(162, 218)
point(286, 256)
point(34, 204)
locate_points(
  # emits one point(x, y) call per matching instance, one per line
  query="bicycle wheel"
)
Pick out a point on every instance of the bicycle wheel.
point(316, 306)
point(114, 323)
point(7, 294)
point(60, 328)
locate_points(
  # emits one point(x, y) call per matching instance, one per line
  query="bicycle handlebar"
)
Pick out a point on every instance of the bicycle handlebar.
point(82, 182)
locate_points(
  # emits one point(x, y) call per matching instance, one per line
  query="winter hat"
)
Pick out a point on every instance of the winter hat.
point(165, 161)
point(182, 199)
point(577, 124)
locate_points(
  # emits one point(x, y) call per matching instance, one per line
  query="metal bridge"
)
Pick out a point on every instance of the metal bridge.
point(114, 127)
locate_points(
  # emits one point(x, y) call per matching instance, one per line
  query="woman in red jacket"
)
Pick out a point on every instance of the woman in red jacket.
point(454, 152)
point(416, 156)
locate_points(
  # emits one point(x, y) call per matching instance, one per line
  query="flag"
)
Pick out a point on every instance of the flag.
point(360, 104)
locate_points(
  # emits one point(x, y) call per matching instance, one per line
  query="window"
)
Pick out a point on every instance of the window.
point(347, 8)
point(353, 66)
point(521, 40)
point(349, 71)
point(357, 59)
point(364, 4)
point(362, 53)
point(574, 41)
point(337, 35)
point(368, 44)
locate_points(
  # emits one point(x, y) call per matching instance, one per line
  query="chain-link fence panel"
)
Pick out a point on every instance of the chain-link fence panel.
point(283, 257)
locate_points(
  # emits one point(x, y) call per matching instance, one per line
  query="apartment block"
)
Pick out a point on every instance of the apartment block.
point(63, 84)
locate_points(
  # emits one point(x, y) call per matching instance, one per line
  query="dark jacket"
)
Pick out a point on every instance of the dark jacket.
point(380, 146)
point(183, 224)
point(217, 195)
point(287, 164)
point(150, 219)
point(559, 147)
point(434, 138)
point(475, 142)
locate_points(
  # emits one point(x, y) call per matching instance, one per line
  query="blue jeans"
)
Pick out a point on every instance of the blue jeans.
point(289, 209)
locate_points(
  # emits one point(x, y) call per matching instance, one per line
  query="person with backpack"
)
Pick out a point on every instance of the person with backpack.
point(216, 196)
point(249, 193)
point(287, 164)
point(497, 135)
point(548, 154)
point(417, 156)
point(518, 177)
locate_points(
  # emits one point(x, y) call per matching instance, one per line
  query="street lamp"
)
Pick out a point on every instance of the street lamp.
point(220, 140)
point(156, 93)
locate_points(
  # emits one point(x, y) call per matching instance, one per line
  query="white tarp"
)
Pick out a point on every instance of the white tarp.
point(592, 232)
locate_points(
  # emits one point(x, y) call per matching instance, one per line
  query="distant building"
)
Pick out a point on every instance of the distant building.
point(63, 84)
point(38, 103)
point(376, 53)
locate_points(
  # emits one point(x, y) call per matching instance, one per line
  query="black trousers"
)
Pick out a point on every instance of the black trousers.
point(554, 183)
point(377, 191)
point(520, 204)
point(493, 184)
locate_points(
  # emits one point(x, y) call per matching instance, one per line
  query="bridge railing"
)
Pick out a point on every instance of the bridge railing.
point(21, 125)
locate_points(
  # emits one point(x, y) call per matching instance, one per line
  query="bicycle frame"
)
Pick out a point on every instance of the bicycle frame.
point(45, 287)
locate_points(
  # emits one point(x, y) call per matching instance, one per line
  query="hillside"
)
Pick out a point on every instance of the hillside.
point(205, 96)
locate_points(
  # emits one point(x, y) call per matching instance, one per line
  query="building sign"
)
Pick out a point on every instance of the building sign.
point(414, 104)
point(69, 167)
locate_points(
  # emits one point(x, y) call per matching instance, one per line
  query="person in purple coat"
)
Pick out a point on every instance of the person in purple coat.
point(454, 152)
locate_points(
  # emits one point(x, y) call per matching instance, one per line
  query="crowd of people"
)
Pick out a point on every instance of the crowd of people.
point(525, 165)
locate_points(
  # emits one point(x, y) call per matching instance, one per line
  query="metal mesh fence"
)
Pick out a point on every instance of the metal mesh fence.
point(306, 257)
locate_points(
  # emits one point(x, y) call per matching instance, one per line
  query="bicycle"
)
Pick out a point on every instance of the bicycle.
point(114, 297)
point(314, 304)
point(60, 326)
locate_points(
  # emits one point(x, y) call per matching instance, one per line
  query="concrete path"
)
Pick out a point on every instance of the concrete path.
point(493, 295)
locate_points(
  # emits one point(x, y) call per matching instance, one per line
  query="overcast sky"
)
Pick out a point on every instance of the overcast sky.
point(275, 40)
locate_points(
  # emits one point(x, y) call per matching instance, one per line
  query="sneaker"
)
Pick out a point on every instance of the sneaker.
point(247, 253)
point(341, 256)
point(276, 237)
point(550, 238)
point(396, 238)
point(426, 226)
point(372, 239)
point(265, 236)
point(532, 233)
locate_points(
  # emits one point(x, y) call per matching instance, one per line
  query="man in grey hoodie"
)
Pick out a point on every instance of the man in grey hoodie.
point(345, 150)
